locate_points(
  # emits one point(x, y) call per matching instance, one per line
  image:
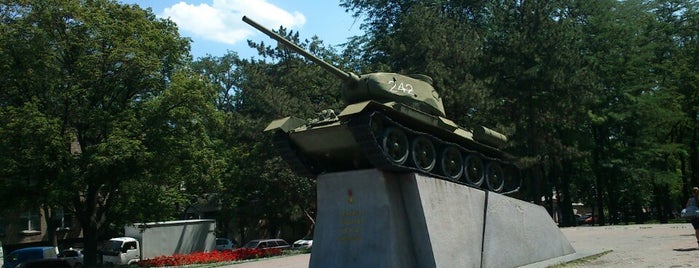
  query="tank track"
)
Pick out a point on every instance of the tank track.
point(362, 126)
point(368, 129)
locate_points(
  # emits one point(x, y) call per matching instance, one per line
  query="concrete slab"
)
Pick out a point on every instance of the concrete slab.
point(361, 222)
point(518, 233)
point(370, 218)
point(446, 220)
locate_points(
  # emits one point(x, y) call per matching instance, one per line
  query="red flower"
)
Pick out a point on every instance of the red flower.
point(209, 257)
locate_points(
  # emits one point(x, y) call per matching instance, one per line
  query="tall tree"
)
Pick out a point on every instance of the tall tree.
point(263, 193)
point(100, 81)
point(534, 67)
point(677, 33)
point(442, 39)
point(634, 110)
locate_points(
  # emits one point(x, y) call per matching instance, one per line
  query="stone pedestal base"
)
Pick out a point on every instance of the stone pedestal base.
point(370, 218)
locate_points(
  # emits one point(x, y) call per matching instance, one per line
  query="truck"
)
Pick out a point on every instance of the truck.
point(143, 241)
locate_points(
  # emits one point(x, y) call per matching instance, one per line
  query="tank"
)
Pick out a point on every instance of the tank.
point(391, 122)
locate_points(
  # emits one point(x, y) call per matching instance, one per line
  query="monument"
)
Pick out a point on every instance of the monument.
point(371, 218)
point(401, 185)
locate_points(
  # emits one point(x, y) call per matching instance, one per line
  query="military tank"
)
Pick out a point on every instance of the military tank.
point(392, 122)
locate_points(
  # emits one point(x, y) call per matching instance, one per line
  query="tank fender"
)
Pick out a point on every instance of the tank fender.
point(448, 124)
point(463, 133)
point(286, 124)
point(356, 108)
point(489, 136)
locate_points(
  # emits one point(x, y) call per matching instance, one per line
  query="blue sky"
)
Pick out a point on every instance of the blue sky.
point(216, 26)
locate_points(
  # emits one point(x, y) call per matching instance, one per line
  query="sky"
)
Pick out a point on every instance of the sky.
point(216, 26)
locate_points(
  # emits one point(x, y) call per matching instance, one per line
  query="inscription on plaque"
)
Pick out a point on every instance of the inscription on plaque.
point(350, 225)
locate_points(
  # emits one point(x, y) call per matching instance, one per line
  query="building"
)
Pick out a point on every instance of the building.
point(24, 228)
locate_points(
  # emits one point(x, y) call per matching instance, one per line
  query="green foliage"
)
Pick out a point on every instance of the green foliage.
point(597, 84)
point(438, 38)
point(39, 151)
point(105, 115)
point(253, 92)
point(109, 123)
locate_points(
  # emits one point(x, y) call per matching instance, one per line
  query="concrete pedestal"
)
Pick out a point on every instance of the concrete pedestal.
point(370, 218)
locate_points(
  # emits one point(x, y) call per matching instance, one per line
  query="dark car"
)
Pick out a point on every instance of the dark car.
point(45, 263)
point(74, 257)
point(28, 254)
point(591, 219)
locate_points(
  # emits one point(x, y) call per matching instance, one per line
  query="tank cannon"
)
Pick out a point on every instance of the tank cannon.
point(391, 122)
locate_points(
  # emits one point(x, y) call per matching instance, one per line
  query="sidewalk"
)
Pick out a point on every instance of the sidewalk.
point(643, 245)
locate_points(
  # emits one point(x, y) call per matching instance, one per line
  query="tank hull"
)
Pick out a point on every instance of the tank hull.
point(395, 137)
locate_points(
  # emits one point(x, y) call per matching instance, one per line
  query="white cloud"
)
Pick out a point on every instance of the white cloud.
point(221, 21)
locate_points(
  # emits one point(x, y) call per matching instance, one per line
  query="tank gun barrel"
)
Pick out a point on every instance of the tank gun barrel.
point(345, 76)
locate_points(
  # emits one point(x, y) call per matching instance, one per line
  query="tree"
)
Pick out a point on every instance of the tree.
point(635, 111)
point(676, 32)
point(262, 193)
point(533, 64)
point(116, 112)
point(442, 39)
point(574, 84)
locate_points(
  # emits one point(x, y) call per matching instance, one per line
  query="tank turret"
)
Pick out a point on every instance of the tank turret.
point(391, 122)
point(414, 90)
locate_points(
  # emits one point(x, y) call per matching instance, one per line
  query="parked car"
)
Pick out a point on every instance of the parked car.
point(579, 219)
point(73, 256)
point(28, 254)
point(591, 219)
point(2, 258)
point(267, 243)
point(45, 263)
point(303, 243)
point(224, 244)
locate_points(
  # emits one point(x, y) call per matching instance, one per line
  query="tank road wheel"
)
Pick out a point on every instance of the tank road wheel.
point(475, 172)
point(395, 145)
point(423, 154)
point(376, 126)
point(495, 177)
point(452, 163)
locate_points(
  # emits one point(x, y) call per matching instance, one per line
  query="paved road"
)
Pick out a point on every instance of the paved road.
point(645, 245)
point(294, 261)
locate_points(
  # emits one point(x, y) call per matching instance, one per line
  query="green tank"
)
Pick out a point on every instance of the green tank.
point(392, 122)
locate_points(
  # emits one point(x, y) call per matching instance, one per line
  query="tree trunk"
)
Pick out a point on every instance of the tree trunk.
point(312, 222)
point(90, 213)
point(50, 225)
point(598, 170)
point(694, 155)
point(565, 202)
point(90, 238)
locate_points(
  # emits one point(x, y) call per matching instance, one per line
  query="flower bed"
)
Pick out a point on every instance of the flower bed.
point(209, 257)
